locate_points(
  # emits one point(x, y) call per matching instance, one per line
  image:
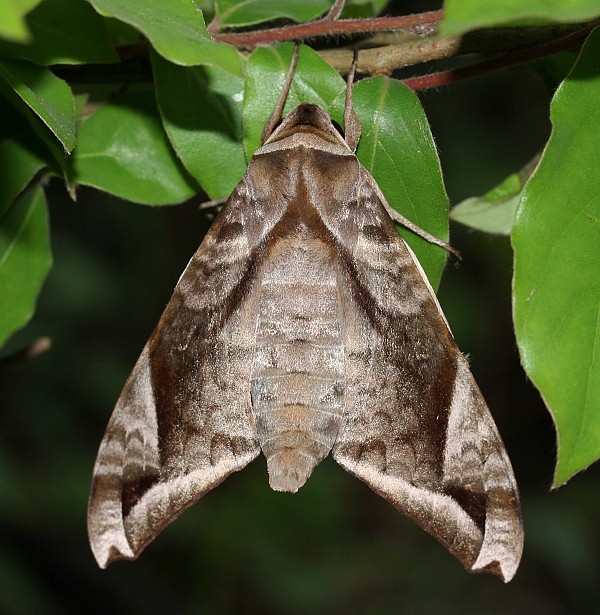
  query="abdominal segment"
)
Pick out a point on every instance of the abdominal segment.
point(298, 369)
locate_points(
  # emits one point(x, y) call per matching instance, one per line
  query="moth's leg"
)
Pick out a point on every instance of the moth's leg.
point(276, 116)
point(411, 226)
point(352, 135)
point(351, 121)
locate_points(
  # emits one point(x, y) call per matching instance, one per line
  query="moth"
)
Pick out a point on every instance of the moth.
point(303, 326)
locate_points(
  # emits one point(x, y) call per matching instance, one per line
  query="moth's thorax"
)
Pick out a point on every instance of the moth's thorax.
point(298, 369)
point(298, 176)
point(310, 127)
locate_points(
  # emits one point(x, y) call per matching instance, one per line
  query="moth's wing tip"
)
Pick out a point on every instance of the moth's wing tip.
point(504, 570)
point(105, 559)
point(502, 561)
point(107, 550)
point(105, 528)
point(480, 552)
point(106, 531)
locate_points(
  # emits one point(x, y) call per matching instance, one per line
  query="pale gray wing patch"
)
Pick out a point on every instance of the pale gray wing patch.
point(184, 421)
point(131, 441)
point(475, 459)
point(469, 502)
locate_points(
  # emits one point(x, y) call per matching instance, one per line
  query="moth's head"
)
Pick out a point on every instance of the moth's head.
point(308, 118)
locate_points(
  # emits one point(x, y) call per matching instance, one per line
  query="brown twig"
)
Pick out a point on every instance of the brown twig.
point(389, 55)
point(523, 43)
point(571, 41)
point(419, 23)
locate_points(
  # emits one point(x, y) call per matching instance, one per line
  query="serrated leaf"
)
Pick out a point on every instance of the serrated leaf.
point(397, 147)
point(12, 19)
point(464, 15)
point(208, 9)
point(63, 32)
point(556, 240)
point(49, 97)
point(248, 12)
point(493, 212)
point(123, 149)
point(201, 109)
point(25, 259)
point(176, 30)
point(396, 144)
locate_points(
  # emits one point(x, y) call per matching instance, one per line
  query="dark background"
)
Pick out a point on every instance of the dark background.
point(334, 547)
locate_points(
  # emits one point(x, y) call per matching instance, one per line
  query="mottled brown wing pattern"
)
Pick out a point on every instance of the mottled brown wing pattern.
point(417, 429)
point(183, 422)
point(304, 324)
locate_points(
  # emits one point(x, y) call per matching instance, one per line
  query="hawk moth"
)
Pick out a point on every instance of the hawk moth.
point(303, 326)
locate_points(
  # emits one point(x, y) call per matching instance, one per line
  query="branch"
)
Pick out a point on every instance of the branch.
point(525, 43)
point(420, 23)
point(413, 51)
point(571, 41)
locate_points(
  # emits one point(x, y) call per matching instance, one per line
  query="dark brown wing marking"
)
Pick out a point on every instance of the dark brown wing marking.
point(183, 422)
point(418, 431)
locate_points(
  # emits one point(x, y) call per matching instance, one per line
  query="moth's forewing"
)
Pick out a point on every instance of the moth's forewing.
point(183, 422)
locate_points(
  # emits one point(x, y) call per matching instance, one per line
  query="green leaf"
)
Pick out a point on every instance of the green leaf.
point(12, 19)
point(247, 12)
point(355, 9)
point(22, 155)
point(208, 9)
point(18, 166)
point(396, 144)
point(397, 147)
point(63, 32)
point(49, 97)
point(486, 214)
point(493, 212)
point(314, 81)
point(463, 15)
point(176, 30)
point(201, 108)
point(25, 259)
point(556, 241)
point(123, 149)
point(555, 68)
point(122, 33)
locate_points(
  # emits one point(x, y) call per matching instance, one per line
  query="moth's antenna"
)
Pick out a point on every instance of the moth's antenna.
point(335, 11)
point(351, 121)
point(276, 115)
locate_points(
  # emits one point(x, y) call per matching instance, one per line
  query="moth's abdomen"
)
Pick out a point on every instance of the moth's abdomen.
point(298, 368)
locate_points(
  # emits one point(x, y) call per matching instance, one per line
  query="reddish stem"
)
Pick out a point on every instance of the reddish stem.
point(326, 27)
point(571, 41)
